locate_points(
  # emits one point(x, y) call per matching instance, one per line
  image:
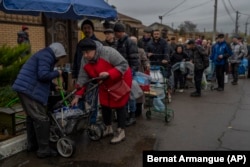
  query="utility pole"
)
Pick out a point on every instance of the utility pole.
point(215, 18)
point(237, 22)
point(246, 26)
point(246, 29)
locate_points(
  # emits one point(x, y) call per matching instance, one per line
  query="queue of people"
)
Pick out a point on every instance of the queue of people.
point(117, 59)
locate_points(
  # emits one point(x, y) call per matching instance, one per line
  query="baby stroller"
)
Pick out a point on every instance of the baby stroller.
point(68, 121)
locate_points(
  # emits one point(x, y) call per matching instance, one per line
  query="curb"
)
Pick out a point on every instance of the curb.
point(12, 146)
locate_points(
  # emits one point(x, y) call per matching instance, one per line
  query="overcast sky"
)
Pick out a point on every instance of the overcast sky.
point(200, 12)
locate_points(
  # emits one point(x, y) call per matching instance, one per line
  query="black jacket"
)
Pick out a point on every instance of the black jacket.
point(159, 49)
point(129, 50)
point(143, 43)
point(178, 57)
point(198, 55)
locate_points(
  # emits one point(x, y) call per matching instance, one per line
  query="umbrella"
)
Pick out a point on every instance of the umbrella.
point(66, 9)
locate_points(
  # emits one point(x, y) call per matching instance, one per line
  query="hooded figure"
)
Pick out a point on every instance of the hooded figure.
point(36, 74)
point(33, 88)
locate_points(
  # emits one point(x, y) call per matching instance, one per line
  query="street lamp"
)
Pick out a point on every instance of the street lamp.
point(160, 17)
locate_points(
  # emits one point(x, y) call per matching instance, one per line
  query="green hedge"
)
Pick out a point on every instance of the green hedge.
point(11, 61)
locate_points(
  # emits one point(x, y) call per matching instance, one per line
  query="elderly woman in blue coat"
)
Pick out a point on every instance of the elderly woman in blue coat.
point(33, 88)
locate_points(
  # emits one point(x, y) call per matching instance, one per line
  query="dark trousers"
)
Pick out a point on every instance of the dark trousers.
point(179, 78)
point(107, 116)
point(34, 109)
point(197, 79)
point(234, 70)
point(38, 125)
point(220, 70)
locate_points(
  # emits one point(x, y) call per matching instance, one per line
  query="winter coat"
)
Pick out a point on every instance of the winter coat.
point(108, 60)
point(159, 49)
point(220, 48)
point(129, 50)
point(36, 74)
point(78, 57)
point(143, 43)
point(144, 62)
point(178, 57)
point(238, 53)
point(198, 56)
point(23, 37)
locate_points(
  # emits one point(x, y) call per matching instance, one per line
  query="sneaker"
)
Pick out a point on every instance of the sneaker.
point(234, 83)
point(195, 94)
point(119, 136)
point(181, 90)
point(108, 131)
point(220, 89)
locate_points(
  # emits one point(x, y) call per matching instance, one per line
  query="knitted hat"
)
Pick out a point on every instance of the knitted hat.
point(119, 27)
point(58, 49)
point(87, 44)
point(89, 22)
point(221, 35)
point(190, 41)
point(24, 27)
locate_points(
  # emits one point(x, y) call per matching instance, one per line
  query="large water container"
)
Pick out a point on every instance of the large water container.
point(156, 74)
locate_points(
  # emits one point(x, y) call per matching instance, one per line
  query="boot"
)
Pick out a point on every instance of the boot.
point(42, 129)
point(31, 135)
point(108, 131)
point(195, 94)
point(119, 136)
point(138, 109)
point(131, 120)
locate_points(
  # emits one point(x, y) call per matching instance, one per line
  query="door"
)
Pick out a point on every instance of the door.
point(65, 32)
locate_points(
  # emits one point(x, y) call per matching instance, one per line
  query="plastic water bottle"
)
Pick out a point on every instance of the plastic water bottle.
point(158, 104)
point(157, 101)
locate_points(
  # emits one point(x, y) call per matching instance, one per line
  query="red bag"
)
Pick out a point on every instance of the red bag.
point(118, 90)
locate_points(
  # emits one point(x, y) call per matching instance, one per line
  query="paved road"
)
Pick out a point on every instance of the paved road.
point(216, 121)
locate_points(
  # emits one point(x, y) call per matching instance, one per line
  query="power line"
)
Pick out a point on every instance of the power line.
point(231, 5)
point(236, 10)
point(173, 8)
point(225, 6)
point(190, 8)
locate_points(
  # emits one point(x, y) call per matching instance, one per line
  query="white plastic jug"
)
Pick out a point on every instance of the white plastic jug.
point(156, 76)
point(225, 78)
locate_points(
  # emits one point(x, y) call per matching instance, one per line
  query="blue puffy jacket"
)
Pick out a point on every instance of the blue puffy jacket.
point(35, 77)
point(220, 48)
